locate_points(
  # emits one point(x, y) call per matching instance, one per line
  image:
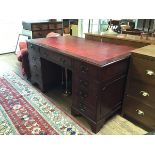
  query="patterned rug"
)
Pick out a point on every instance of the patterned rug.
point(25, 111)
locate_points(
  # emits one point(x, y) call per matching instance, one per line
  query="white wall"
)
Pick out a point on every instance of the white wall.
point(9, 30)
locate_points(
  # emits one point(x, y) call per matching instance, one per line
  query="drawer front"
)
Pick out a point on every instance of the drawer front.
point(83, 98)
point(139, 112)
point(35, 68)
point(58, 26)
point(82, 91)
point(35, 65)
point(58, 31)
point(57, 58)
point(86, 70)
point(115, 69)
point(82, 107)
point(33, 59)
point(142, 91)
point(142, 69)
point(37, 34)
point(111, 95)
point(34, 62)
point(52, 26)
point(39, 26)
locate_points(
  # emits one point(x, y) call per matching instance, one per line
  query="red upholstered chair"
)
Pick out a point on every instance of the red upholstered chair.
point(22, 56)
point(52, 34)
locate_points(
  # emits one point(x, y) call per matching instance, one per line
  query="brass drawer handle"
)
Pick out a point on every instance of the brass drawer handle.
point(140, 112)
point(144, 93)
point(150, 73)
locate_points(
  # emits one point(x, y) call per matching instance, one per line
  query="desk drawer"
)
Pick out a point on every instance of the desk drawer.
point(142, 91)
point(40, 34)
point(35, 66)
point(84, 108)
point(85, 89)
point(39, 26)
point(105, 73)
point(111, 95)
point(86, 70)
point(140, 112)
point(115, 69)
point(142, 69)
point(57, 58)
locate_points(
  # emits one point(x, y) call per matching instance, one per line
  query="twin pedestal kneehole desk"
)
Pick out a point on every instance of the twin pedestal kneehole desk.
point(98, 70)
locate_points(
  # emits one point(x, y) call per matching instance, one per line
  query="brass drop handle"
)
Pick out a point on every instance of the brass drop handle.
point(83, 83)
point(34, 58)
point(150, 72)
point(140, 112)
point(144, 93)
point(84, 69)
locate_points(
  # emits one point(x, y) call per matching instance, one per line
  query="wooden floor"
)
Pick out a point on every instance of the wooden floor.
point(115, 126)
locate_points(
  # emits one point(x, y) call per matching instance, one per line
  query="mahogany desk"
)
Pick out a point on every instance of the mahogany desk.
point(98, 73)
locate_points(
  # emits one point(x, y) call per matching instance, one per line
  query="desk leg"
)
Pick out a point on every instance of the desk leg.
point(66, 93)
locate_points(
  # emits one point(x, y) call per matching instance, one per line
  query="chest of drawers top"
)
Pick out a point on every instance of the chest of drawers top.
point(145, 52)
point(41, 25)
point(143, 64)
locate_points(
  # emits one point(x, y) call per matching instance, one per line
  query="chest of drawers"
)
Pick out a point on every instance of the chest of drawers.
point(139, 100)
point(39, 29)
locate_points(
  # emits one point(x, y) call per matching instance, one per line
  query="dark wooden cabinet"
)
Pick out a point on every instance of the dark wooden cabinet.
point(39, 29)
point(98, 73)
point(139, 100)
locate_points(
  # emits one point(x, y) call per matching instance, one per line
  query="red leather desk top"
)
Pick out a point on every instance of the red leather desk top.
point(99, 53)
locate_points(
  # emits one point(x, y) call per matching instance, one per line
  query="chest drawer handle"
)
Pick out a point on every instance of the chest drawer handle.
point(149, 72)
point(144, 93)
point(140, 112)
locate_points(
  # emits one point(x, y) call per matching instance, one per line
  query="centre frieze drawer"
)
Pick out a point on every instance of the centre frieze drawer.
point(59, 59)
